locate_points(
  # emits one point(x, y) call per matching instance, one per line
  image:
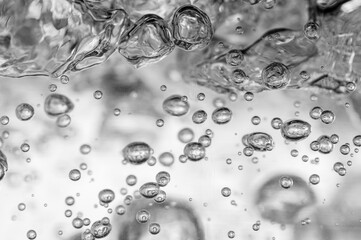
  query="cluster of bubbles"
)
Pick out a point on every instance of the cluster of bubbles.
point(152, 189)
point(326, 116)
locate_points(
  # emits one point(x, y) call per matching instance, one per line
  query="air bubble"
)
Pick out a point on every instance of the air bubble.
point(194, 151)
point(205, 140)
point(149, 190)
point(24, 111)
point(295, 130)
point(4, 120)
point(137, 152)
point(314, 179)
point(31, 234)
point(286, 182)
point(131, 180)
point(276, 123)
point(63, 121)
point(259, 141)
point(256, 120)
point(100, 229)
point(106, 196)
point(74, 175)
point(57, 104)
point(142, 216)
point(166, 159)
point(175, 105)
point(161, 197)
point(226, 192)
point(276, 76)
point(199, 117)
point(311, 30)
point(327, 117)
point(163, 178)
point(222, 115)
point(234, 57)
point(316, 112)
point(154, 228)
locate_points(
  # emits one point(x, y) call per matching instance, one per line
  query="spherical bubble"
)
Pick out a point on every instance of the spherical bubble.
point(239, 76)
point(175, 105)
point(131, 180)
point(351, 86)
point(327, 117)
point(163, 88)
point(186, 135)
point(342, 171)
point(314, 179)
point(128, 200)
point(63, 120)
point(183, 158)
point(31, 234)
point(85, 149)
point(311, 30)
point(74, 175)
point(57, 104)
point(199, 117)
point(69, 201)
point(163, 178)
point(222, 115)
point(248, 151)
point(142, 216)
point(231, 234)
point(256, 227)
point(154, 228)
point(205, 140)
point(345, 149)
point(120, 210)
point(68, 213)
point(194, 151)
point(64, 79)
point(152, 161)
point(137, 152)
point(192, 28)
point(234, 57)
point(159, 122)
point(21, 206)
point(259, 141)
point(116, 111)
point(4, 120)
point(337, 166)
point(295, 130)
point(87, 235)
point(77, 223)
point(25, 147)
point(106, 196)
point(316, 112)
point(161, 197)
point(218, 102)
point(248, 96)
point(166, 159)
point(315, 145)
point(357, 140)
point(276, 76)
point(98, 94)
point(100, 229)
point(326, 145)
point(294, 152)
point(334, 138)
point(149, 190)
point(24, 111)
point(276, 123)
point(52, 87)
point(304, 75)
point(256, 120)
point(226, 192)
point(286, 182)
point(201, 96)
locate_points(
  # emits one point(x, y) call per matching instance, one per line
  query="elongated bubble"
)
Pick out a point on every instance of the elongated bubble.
point(194, 151)
point(295, 130)
point(259, 141)
point(149, 190)
point(137, 152)
point(57, 104)
point(222, 115)
point(101, 229)
point(175, 105)
point(149, 40)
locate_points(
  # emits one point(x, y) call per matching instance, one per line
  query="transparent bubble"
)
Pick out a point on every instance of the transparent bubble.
point(24, 111)
point(69, 201)
point(166, 159)
point(222, 115)
point(294, 152)
point(239, 76)
point(314, 179)
point(186, 135)
point(74, 175)
point(248, 151)
point(87, 235)
point(100, 229)
point(248, 96)
point(256, 120)
point(85, 149)
point(276, 123)
point(4, 120)
point(234, 57)
point(137, 152)
point(106, 196)
point(334, 138)
point(63, 121)
point(351, 86)
point(116, 111)
point(142, 216)
point(304, 75)
point(259, 141)
point(201, 96)
point(239, 30)
point(194, 151)
point(342, 171)
point(311, 30)
point(31, 234)
point(120, 210)
point(199, 117)
point(154, 228)
point(161, 197)
point(326, 145)
point(276, 76)
point(159, 122)
point(98, 94)
point(57, 104)
point(316, 112)
point(192, 28)
point(205, 140)
point(295, 130)
point(148, 40)
point(256, 227)
point(131, 180)
point(86, 221)
point(175, 105)
point(337, 166)
point(52, 87)
point(163, 178)
point(357, 140)
point(64, 79)
point(77, 223)
point(21, 206)
point(163, 88)
point(315, 145)
point(68, 213)
point(286, 182)
point(149, 190)
point(226, 192)
point(327, 117)
point(152, 161)
point(25, 147)
point(345, 149)
point(183, 158)
point(231, 234)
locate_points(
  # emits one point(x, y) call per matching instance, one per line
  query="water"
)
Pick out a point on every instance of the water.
point(169, 119)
